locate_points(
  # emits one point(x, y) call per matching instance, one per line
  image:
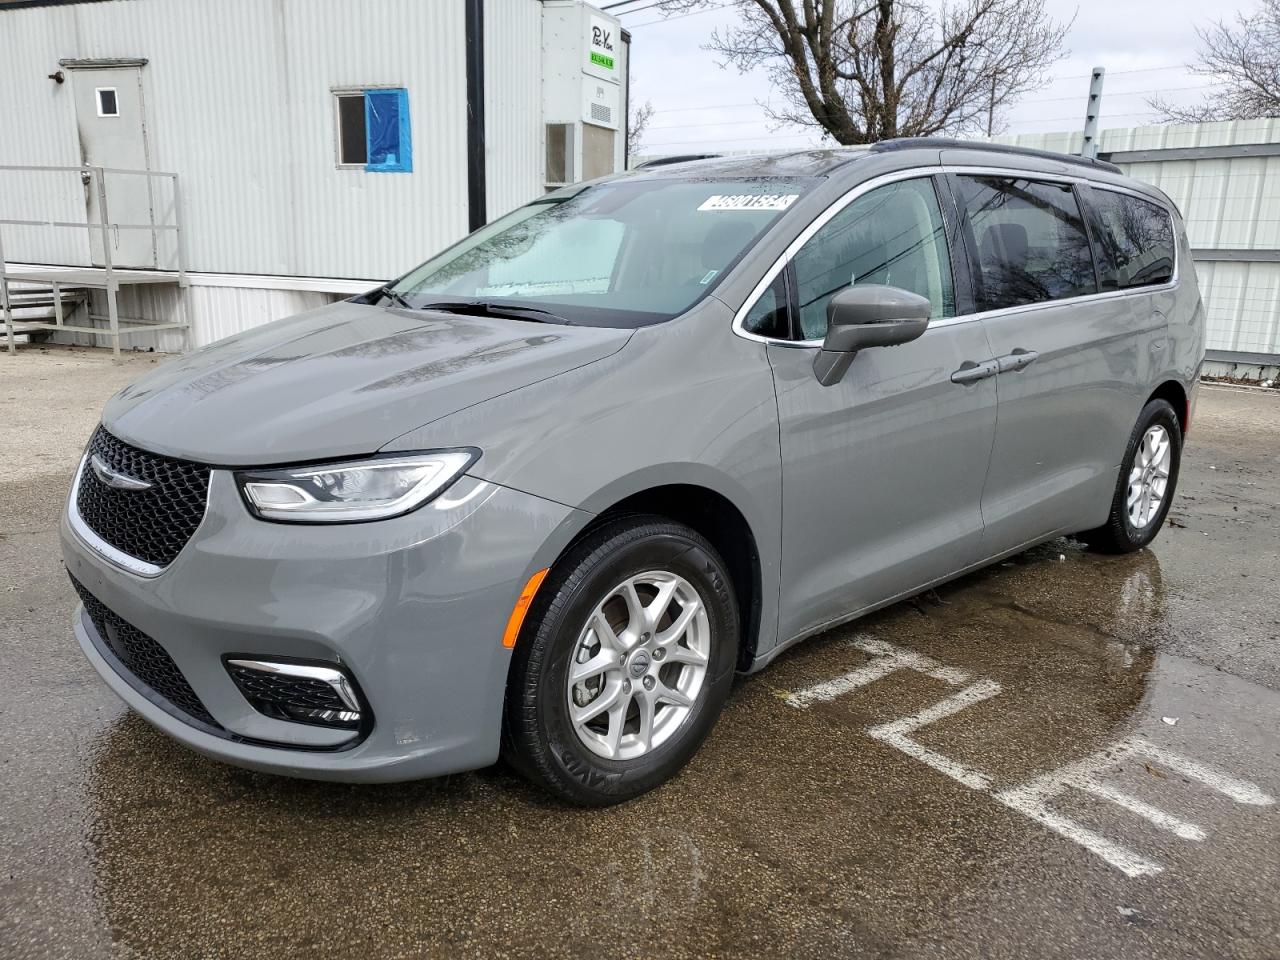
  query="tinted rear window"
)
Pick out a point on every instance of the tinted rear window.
point(1134, 239)
point(1029, 239)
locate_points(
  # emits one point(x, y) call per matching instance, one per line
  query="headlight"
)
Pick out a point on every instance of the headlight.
point(353, 491)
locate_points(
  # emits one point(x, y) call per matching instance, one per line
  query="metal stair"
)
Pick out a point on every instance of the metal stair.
point(34, 305)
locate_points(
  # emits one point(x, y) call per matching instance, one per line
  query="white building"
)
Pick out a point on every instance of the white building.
point(319, 146)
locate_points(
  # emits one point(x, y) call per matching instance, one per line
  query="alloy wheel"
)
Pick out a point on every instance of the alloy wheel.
point(638, 665)
point(1149, 476)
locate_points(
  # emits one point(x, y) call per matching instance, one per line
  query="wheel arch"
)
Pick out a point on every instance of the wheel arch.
point(1178, 398)
point(711, 511)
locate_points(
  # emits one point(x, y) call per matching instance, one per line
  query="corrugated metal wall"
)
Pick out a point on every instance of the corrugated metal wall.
point(1230, 203)
point(240, 106)
point(514, 136)
point(222, 311)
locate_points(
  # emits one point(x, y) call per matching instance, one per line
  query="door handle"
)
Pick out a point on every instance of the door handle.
point(971, 372)
point(1018, 360)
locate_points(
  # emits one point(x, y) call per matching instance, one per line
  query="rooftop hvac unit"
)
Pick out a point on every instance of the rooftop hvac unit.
point(584, 82)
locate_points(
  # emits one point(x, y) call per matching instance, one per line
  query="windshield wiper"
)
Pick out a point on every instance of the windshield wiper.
point(485, 308)
point(389, 294)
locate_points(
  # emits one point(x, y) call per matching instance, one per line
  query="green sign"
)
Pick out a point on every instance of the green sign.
point(600, 60)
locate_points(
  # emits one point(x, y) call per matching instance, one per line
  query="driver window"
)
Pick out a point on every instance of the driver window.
point(893, 235)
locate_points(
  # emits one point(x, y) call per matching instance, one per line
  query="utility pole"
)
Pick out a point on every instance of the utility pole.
point(1089, 149)
point(991, 106)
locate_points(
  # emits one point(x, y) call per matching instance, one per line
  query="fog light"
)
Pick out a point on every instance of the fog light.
point(298, 692)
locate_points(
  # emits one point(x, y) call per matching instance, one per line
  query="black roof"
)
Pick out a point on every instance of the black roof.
point(947, 143)
point(802, 163)
point(822, 162)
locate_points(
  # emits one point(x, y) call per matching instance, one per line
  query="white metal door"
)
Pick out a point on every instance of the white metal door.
point(112, 127)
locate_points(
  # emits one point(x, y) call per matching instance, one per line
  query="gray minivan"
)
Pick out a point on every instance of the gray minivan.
point(545, 494)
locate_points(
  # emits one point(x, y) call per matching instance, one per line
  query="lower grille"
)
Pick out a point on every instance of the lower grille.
point(145, 659)
point(284, 692)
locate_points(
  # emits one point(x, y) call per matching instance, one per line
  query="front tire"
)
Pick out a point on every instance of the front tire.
point(1145, 487)
point(623, 664)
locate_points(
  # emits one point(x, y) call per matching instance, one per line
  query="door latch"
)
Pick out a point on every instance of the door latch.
point(972, 372)
point(1018, 360)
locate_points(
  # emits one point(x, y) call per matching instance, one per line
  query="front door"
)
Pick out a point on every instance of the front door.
point(112, 128)
point(882, 472)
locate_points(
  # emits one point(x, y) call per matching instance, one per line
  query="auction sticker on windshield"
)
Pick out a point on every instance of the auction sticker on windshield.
point(749, 201)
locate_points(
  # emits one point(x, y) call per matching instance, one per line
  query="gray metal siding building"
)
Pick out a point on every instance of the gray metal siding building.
point(242, 100)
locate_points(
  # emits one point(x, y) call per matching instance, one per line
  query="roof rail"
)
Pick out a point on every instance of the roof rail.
point(683, 158)
point(948, 143)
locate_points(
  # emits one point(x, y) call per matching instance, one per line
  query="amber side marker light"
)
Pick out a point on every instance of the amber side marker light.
point(522, 607)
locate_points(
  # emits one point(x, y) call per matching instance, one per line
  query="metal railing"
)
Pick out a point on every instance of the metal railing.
point(112, 276)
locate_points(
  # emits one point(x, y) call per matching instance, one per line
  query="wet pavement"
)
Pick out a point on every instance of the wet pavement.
point(1065, 755)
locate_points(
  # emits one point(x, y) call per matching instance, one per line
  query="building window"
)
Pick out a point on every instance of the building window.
point(373, 130)
point(108, 106)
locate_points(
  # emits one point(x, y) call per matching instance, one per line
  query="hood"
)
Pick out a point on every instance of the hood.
point(339, 381)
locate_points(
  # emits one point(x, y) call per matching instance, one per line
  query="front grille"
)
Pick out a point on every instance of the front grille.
point(298, 699)
point(153, 524)
point(143, 657)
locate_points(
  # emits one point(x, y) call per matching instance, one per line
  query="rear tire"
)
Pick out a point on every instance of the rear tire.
point(642, 610)
point(1146, 484)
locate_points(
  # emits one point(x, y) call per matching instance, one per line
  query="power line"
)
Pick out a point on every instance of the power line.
point(731, 123)
point(679, 16)
point(791, 136)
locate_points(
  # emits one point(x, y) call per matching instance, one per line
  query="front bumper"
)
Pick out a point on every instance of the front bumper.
point(413, 607)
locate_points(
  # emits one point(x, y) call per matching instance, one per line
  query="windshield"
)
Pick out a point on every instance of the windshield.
point(619, 254)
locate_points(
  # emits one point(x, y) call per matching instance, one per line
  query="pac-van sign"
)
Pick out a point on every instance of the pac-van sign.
point(602, 43)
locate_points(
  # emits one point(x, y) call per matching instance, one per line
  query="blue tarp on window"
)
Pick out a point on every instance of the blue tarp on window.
point(386, 114)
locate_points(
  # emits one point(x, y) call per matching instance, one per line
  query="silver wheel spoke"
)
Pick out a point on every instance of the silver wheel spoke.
point(635, 610)
point(604, 660)
point(608, 697)
point(671, 695)
point(645, 733)
point(659, 604)
point(679, 625)
point(679, 654)
point(617, 720)
point(604, 633)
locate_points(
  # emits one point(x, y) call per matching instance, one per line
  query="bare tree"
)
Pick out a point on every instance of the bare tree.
point(869, 70)
point(636, 124)
point(1244, 57)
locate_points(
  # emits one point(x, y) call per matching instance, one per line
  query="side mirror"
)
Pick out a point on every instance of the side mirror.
point(867, 316)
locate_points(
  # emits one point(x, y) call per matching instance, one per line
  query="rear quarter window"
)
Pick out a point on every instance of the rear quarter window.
point(1133, 239)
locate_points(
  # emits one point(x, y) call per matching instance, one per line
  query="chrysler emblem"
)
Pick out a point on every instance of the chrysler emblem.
point(114, 478)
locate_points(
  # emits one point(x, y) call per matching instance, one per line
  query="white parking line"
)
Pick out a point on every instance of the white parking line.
point(895, 733)
point(888, 659)
point(1030, 799)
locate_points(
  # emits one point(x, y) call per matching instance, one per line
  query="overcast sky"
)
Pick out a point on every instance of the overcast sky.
point(1144, 45)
